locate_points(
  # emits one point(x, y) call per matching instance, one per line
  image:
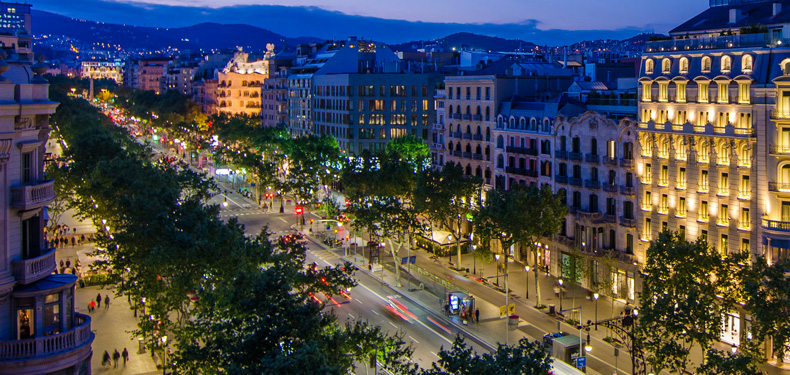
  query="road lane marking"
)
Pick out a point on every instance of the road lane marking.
point(283, 220)
point(396, 327)
point(352, 316)
point(412, 339)
point(437, 356)
point(374, 311)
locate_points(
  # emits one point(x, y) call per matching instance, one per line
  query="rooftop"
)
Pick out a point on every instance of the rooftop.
point(719, 42)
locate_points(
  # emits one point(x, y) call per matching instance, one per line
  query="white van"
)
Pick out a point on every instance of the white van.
point(561, 368)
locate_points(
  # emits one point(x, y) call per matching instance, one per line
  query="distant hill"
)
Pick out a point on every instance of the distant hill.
point(204, 35)
point(468, 41)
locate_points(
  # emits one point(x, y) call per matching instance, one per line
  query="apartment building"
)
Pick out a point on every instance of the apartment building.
point(715, 134)
point(274, 94)
point(239, 88)
point(40, 331)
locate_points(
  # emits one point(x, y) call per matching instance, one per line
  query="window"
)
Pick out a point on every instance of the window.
point(704, 152)
point(746, 63)
point(704, 235)
point(745, 219)
point(703, 181)
point(703, 211)
point(629, 244)
point(646, 231)
point(646, 205)
point(724, 215)
point(684, 65)
point(724, 95)
point(28, 168)
point(744, 192)
point(610, 149)
point(681, 178)
point(680, 92)
point(743, 93)
point(663, 89)
point(649, 65)
point(745, 244)
point(666, 66)
point(726, 64)
point(724, 245)
point(682, 232)
point(705, 64)
point(648, 174)
point(702, 92)
point(646, 88)
point(611, 206)
point(664, 178)
point(681, 212)
point(663, 206)
point(628, 210)
point(724, 184)
point(594, 146)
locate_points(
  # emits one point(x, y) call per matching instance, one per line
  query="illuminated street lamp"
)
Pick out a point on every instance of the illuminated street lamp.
point(595, 297)
point(560, 282)
point(526, 268)
point(497, 268)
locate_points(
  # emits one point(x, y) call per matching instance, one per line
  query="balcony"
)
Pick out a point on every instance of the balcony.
point(783, 226)
point(626, 222)
point(522, 150)
point(467, 117)
point(611, 162)
point(590, 184)
point(780, 115)
point(27, 271)
point(33, 196)
point(592, 158)
point(455, 116)
point(744, 195)
point(723, 191)
point(467, 136)
point(779, 150)
point(592, 216)
point(457, 154)
point(477, 117)
point(477, 156)
point(575, 156)
point(779, 186)
point(610, 218)
point(467, 155)
point(477, 137)
point(521, 172)
point(744, 225)
point(609, 188)
point(437, 146)
point(628, 190)
point(561, 179)
point(627, 163)
point(561, 154)
point(719, 42)
point(18, 350)
point(575, 181)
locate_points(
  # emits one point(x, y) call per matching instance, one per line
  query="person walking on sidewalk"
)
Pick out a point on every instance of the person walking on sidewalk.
point(115, 357)
point(105, 359)
point(107, 302)
point(477, 315)
point(125, 355)
point(98, 300)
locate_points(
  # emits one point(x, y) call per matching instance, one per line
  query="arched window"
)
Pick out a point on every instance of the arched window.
point(487, 174)
point(468, 170)
point(546, 125)
point(522, 123)
point(500, 161)
point(458, 147)
point(594, 146)
point(628, 150)
point(458, 110)
point(512, 123)
point(724, 153)
point(666, 66)
point(726, 63)
point(478, 111)
point(785, 174)
point(488, 113)
point(468, 129)
point(746, 63)
point(684, 65)
point(500, 141)
point(533, 123)
point(500, 122)
point(451, 110)
point(488, 134)
point(479, 171)
point(611, 152)
point(745, 156)
point(705, 64)
point(649, 66)
point(478, 130)
point(478, 150)
point(468, 110)
point(450, 145)
point(704, 151)
point(488, 150)
point(469, 148)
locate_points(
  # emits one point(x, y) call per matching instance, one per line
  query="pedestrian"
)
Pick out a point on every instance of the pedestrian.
point(90, 310)
point(125, 356)
point(105, 359)
point(68, 263)
point(73, 241)
point(61, 263)
point(115, 357)
point(107, 301)
point(93, 306)
point(82, 238)
point(98, 299)
point(477, 315)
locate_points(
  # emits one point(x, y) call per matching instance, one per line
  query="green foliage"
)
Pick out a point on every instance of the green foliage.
point(313, 162)
point(754, 29)
point(686, 289)
point(525, 358)
point(724, 363)
point(447, 197)
point(766, 290)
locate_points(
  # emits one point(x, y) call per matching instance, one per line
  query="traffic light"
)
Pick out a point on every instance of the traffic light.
point(298, 210)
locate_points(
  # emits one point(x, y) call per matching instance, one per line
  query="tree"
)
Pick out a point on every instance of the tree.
point(724, 363)
point(686, 288)
point(767, 294)
point(574, 269)
point(449, 198)
point(525, 358)
point(313, 163)
point(523, 214)
point(64, 194)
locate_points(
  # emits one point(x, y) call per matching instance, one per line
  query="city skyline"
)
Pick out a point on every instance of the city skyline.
point(538, 23)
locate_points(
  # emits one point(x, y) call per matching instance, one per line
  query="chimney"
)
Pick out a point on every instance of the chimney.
point(777, 8)
point(733, 15)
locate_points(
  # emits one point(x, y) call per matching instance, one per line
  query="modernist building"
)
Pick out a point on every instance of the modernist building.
point(40, 332)
point(715, 134)
point(239, 88)
point(274, 93)
point(102, 70)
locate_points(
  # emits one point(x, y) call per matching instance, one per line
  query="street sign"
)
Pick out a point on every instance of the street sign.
point(581, 362)
point(413, 259)
point(502, 311)
point(511, 309)
point(404, 260)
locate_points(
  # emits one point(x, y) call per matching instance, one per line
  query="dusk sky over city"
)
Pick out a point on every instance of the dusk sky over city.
point(539, 16)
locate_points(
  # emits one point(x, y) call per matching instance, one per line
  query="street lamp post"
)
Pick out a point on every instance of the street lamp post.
point(560, 289)
point(595, 297)
point(526, 268)
point(497, 268)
